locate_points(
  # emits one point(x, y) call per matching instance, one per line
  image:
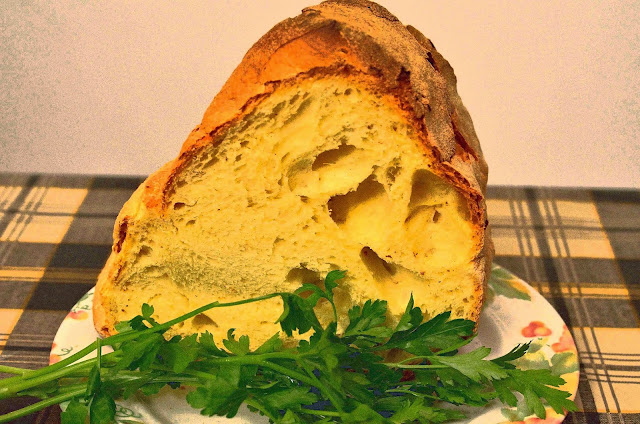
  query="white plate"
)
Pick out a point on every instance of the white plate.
point(514, 313)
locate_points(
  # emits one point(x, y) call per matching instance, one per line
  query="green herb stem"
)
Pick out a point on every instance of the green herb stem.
point(10, 386)
point(191, 379)
point(41, 405)
point(321, 412)
point(400, 365)
point(192, 373)
point(334, 400)
point(254, 359)
point(13, 370)
point(284, 370)
point(414, 358)
point(205, 308)
point(411, 392)
point(130, 335)
point(57, 366)
point(6, 392)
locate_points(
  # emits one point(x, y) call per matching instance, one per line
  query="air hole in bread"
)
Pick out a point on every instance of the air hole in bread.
point(298, 174)
point(209, 162)
point(302, 275)
point(178, 205)
point(424, 214)
point(380, 269)
point(304, 105)
point(201, 320)
point(190, 222)
point(276, 110)
point(463, 210)
point(294, 98)
point(333, 156)
point(154, 271)
point(145, 251)
point(392, 173)
point(278, 247)
point(341, 206)
point(423, 185)
point(436, 216)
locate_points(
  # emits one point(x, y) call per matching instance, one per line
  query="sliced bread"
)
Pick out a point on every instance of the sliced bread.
point(339, 142)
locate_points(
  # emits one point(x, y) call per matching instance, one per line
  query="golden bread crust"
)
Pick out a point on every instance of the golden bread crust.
point(352, 39)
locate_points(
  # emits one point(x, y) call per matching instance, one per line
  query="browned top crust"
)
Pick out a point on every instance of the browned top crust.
point(350, 38)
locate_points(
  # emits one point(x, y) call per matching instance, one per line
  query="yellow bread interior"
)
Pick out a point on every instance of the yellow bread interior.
point(319, 176)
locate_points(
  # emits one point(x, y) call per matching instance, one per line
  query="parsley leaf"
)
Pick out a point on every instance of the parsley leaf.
point(76, 413)
point(367, 322)
point(179, 352)
point(534, 385)
point(298, 315)
point(238, 347)
point(472, 365)
point(435, 334)
point(102, 409)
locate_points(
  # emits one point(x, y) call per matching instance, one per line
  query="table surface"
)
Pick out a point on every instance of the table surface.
point(580, 248)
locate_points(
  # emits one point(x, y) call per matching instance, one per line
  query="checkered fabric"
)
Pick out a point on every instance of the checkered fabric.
point(580, 248)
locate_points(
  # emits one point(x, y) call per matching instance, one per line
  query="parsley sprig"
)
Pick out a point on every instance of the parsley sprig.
point(329, 378)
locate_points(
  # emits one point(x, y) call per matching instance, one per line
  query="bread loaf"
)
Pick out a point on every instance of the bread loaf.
point(339, 142)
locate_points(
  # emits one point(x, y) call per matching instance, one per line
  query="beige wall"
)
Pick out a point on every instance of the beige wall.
point(114, 87)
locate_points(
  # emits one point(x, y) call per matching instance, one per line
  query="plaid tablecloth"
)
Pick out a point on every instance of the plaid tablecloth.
point(580, 248)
